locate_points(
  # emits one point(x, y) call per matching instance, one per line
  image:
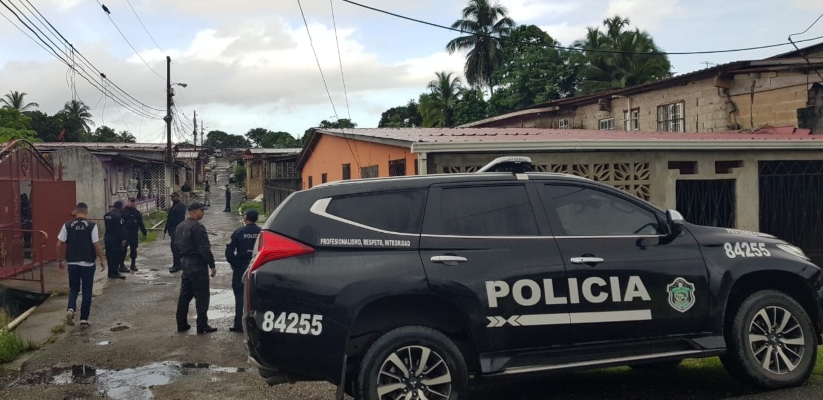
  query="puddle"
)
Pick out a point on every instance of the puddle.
point(221, 304)
point(127, 384)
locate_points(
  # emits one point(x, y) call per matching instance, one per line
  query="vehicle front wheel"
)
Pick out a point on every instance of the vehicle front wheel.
point(413, 362)
point(772, 342)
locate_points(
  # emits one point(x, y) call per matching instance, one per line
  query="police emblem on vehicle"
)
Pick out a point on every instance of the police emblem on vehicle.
point(681, 294)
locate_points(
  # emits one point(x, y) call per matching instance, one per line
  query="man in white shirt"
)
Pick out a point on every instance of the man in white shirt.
point(78, 244)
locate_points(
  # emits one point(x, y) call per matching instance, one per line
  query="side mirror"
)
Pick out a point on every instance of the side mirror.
point(676, 222)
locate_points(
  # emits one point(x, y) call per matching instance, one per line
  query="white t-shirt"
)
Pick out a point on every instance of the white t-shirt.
point(95, 237)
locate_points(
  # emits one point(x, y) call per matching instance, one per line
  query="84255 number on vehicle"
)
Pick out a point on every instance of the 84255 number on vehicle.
point(292, 323)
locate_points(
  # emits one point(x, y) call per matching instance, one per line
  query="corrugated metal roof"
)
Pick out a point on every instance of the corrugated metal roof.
point(96, 145)
point(407, 136)
point(275, 151)
point(187, 155)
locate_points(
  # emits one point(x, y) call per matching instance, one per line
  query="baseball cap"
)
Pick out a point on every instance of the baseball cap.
point(118, 204)
point(195, 206)
point(252, 215)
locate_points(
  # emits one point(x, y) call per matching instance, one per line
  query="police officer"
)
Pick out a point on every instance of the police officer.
point(207, 195)
point(134, 222)
point(228, 199)
point(196, 260)
point(177, 214)
point(238, 254)
point(77, 245)
point(115, 239)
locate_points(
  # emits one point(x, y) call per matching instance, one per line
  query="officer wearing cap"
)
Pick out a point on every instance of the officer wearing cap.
point(177, 214)
point(115, 239)
point(238, 254)
point(196, 260)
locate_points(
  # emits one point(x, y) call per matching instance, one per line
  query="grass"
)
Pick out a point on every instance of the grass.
point(58, 329)
point(60, 292)
point(245, 206)
point(150, 220)
point(11, 344)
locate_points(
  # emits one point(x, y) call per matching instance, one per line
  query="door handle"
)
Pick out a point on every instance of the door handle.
point(587, 260)
point(449, 260)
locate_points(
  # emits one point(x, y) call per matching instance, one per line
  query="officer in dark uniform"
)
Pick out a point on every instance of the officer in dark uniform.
point(238, 254)
point(115, 239)
point(177, 214)
point(196, 260)
point(228, 199)
point(134, 222)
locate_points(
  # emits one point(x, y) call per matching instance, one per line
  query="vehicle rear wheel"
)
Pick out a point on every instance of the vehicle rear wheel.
point(661, 366)
point(771, 343)
point(413, 362)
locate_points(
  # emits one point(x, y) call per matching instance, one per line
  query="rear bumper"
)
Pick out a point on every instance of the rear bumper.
point(289, 358)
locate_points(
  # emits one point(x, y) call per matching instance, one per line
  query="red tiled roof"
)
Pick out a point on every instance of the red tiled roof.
point(408, 136)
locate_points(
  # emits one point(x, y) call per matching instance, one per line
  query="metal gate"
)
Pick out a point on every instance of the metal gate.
point(791, 203)
point(707, 202)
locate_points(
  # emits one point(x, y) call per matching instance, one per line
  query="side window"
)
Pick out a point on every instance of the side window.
point(390, 211)
point(589, 212)
point(486, 211)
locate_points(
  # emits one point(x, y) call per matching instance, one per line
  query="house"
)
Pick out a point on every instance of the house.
point(128, 170)
point(34, 203)
point(195, 159)
point(333, 155)
point(262, 169)
point(760, 180)
point(782, 91)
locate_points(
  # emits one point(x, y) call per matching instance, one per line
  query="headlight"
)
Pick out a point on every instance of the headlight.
point(793, 250)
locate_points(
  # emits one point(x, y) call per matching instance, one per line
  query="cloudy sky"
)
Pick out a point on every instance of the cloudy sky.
point(248, 63)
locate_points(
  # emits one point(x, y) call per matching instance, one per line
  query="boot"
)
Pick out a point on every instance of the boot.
point(133, 267)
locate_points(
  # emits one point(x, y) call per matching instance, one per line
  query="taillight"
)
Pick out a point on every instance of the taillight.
point(273, 247)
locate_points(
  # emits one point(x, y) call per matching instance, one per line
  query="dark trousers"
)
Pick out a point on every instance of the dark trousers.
point(238, 270)
point(114, 255)
point(228, 204)
point(132, 243)
point(194, 285)
point(175, 252)
point(81, 279)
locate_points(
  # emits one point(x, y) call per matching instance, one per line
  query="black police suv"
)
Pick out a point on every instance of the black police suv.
point(403, 288)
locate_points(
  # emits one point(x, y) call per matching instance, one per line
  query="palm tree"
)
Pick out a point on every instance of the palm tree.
point(77, 112)
point(484, 22)
point(444, 93)
point(15, 99)
point(605, 71)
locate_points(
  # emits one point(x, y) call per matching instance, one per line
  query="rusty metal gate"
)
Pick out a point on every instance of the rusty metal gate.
point(34, 203)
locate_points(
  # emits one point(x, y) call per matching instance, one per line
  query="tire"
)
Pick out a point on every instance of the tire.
point(380, 370)
point(660, 366)
point(789, 354)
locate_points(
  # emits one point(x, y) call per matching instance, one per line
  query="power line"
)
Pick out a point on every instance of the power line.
point(138, 109)
point(129, 43)
point(356, 160)
point(505, 39)
point(801, 52)
point(340, 58)
point(144, 26)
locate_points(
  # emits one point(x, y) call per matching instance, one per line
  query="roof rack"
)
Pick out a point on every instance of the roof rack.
point(516, 165)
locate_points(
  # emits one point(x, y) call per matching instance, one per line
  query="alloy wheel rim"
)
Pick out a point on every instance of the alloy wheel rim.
point(414, 373)
point(776, 340)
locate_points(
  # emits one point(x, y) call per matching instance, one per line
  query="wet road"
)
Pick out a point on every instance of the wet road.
point(132, 351)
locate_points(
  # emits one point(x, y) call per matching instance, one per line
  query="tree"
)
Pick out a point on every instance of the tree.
point(470, 108)
point(342, 123)
point(438, 109)
point(104, 134)
point(222, 140)
point(273, 140)
point(48, 127)
point(126, 137)
point(640, 63)
point(15, 125)
point(483, 20)
point(406, 116)
point(533, 71)
point(15, 100)
point(256, 135)
point(77, 119)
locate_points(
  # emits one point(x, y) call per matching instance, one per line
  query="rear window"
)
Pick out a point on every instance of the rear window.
point(390, 211)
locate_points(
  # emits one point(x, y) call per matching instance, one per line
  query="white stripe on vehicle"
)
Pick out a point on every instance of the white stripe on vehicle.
point(569, 318)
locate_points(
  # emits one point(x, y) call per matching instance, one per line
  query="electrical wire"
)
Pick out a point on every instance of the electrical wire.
point(816, 71)
point(144, 26)
point(340, 58)
point(133, 105)
point(328, 92)
point(129, 43)
point(505, 39)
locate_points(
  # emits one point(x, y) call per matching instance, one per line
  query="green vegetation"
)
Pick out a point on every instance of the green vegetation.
point(243, 207)
point(239, 175)
point(150, 220)
point(60, 292)
point(11, 344)
point(58, 329)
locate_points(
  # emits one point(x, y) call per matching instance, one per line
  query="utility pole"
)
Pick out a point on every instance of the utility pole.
point(168, 110)
point(195, 130)
point(202, 130)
